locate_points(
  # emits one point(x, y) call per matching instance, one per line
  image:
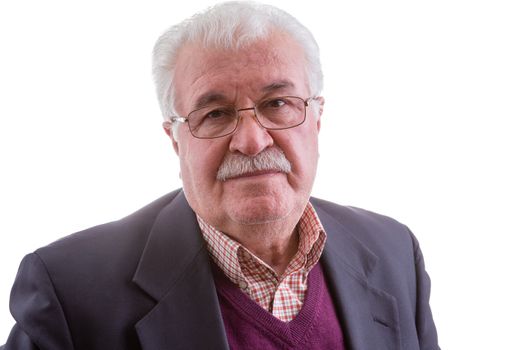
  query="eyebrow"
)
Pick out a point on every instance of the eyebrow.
point(279, 85)
point(214, 97)
point(209, 98)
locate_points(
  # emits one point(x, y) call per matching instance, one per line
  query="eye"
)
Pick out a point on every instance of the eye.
point(275, 103)
point(218, 113)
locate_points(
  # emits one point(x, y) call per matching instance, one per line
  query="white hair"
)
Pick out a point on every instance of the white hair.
point(229, 25)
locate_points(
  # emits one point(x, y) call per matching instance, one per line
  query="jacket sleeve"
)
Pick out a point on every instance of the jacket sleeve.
point(40, 320)
point(424, 322)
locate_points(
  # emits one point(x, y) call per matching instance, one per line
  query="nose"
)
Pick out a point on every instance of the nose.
point(250, 138)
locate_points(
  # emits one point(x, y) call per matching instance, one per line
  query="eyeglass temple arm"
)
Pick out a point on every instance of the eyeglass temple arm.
point(178, 119)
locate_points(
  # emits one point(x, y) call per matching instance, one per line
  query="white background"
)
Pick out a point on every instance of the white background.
point(423, 122)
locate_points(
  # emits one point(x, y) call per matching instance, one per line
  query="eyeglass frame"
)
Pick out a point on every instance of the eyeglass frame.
point(185, 120)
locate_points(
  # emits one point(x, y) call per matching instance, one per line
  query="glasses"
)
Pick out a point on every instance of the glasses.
point(276, 113)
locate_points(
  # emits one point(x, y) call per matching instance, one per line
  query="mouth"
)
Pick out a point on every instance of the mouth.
point(254, 174)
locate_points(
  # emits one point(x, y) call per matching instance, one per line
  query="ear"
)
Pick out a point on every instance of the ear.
point(168, 130)
point(320, 102)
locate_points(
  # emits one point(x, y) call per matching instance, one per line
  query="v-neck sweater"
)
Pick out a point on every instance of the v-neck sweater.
point(249, 326)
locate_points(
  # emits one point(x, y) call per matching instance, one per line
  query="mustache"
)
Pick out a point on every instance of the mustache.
point(237, 164)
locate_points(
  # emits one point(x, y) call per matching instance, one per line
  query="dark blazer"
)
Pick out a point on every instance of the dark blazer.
point(145, 282)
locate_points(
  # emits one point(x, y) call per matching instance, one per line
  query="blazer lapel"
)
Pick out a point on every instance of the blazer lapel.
point(369, 316)
point(175, 271)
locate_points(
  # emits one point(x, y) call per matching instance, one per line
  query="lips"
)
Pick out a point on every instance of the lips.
point(255, 173)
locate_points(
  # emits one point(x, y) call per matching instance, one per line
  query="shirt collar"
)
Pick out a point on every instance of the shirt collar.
point(231, 256)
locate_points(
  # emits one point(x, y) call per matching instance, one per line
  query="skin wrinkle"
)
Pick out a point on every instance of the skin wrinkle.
point(217, 97)
point(244, 59)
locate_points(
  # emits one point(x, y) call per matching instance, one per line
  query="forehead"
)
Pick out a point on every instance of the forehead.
point(247, 70)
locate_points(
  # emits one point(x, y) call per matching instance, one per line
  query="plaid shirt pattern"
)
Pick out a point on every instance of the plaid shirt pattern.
point(282, 296)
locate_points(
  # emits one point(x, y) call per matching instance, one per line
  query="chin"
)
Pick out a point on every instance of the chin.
point(258, 219)
point(257, 212)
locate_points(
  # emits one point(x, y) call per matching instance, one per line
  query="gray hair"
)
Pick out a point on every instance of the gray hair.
point(229, 25)
point(237, 164)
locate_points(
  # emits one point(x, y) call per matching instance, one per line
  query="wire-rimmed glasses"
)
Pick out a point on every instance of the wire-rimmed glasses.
point(218, 120)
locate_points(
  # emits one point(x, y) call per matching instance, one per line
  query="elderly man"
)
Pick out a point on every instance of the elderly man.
point(242, 257)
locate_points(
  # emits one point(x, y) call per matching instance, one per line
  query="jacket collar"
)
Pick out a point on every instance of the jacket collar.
point(368, 315)
point(175, 271)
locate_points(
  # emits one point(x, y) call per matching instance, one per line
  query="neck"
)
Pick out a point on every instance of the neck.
point(276, 252)
point(274, 243)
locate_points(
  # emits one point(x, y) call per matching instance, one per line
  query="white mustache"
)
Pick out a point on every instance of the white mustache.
point(236, 164)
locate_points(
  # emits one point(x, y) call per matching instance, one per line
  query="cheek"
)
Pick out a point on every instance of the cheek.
point(309, 156)
point(301, 148)
point(306, 144)
point(200, 160)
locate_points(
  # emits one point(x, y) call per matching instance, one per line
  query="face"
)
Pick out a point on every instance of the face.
point(267, 68)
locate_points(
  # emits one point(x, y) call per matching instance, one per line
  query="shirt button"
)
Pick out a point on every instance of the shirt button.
point(243, 285)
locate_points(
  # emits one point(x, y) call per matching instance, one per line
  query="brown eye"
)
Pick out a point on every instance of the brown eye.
point(217, 114)
point(275, 103)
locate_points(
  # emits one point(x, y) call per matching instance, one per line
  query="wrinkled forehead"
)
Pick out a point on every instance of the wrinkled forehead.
point(275, 57)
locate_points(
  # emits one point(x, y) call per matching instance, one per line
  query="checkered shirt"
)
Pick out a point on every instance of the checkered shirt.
point(282, 296)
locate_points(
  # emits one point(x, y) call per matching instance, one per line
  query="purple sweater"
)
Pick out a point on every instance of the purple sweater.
point(249, 326)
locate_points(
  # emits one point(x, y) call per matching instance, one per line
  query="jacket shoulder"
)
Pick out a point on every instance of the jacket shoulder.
point(361, 219)
point(114, 241)
point(386, 237)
